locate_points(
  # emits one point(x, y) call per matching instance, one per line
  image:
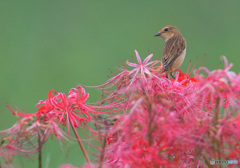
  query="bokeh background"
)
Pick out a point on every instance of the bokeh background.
point(59, 44)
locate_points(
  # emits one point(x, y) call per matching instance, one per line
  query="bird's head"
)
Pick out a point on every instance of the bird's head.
point(167, 32)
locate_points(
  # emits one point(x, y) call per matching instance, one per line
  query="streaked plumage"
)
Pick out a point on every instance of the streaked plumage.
point(174, 50)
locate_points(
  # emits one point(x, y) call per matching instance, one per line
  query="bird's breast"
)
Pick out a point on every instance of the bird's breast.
point(178, 62)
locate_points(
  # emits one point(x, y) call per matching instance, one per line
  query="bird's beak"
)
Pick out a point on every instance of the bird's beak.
point(158, 34)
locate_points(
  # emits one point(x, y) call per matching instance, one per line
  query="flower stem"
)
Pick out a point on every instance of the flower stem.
point(151, 118)
point(103, 150)
point(80, 143)
point(207, 161)
point(217, 143)
point(39, 150)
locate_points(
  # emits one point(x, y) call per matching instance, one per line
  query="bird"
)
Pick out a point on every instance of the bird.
point(174, 50)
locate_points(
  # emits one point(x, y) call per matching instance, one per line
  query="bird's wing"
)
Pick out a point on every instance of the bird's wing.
point(172, 49)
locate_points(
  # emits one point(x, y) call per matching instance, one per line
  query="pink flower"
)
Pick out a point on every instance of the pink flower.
point(124, 80)
point(169, 122)
point(218, 85)
point(141, 67)
point(23, 137)
point(146, 120)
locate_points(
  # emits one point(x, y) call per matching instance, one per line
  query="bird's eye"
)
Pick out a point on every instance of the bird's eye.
point(166, 29)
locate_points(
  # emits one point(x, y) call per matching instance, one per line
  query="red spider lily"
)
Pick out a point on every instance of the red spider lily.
point(124, 80)
point(69, 110)
point(24, 137)
point(141, 67)
point(137, 146)
point(184, 78)
point(218, 85)
point(65, 109)
point(168, 122)
point(161, 122)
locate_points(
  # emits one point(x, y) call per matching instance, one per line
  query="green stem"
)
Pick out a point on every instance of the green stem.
point(103, 151)
point(217, 111)
point(39, 150)
point(80, 143)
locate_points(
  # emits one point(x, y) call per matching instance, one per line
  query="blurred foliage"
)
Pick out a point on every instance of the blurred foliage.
point(59, 44)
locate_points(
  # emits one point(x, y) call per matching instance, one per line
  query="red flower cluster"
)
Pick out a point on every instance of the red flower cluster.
point(63, 109)
point(159, 122)
point(69, 110)
point(173, 122)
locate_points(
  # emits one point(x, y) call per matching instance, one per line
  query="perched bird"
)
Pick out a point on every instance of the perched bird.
point(174, 50)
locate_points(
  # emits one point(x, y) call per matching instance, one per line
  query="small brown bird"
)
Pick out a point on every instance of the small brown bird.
point(174, 50)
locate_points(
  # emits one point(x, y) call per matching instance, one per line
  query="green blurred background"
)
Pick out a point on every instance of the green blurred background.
point(59, 44)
